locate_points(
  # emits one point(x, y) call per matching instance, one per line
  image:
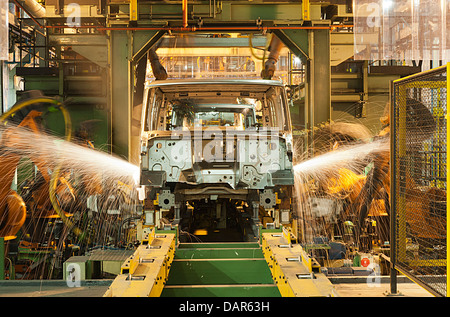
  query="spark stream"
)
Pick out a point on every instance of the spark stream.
point(343, 157)
point(53, 151)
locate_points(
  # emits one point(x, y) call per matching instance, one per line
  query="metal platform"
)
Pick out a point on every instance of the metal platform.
point(145, 272)
point(220, 270)
point(294, 272)
point(273, 268)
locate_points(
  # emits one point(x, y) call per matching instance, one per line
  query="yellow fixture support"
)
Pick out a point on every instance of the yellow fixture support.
point(144, 274)
point(306, 10)
point(292, 269)
point(287, 235)
point(133, 10)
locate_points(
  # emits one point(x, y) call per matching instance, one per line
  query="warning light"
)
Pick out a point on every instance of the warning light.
point(365, 262)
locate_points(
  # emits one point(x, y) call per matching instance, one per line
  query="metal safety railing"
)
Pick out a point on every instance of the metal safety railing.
point(419, 178)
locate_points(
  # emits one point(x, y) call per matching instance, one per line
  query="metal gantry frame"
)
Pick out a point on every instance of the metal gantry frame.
point(131, 28)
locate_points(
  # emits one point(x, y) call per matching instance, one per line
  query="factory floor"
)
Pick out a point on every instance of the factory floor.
point(345, 286)
point(52, 288)
point(359, 287)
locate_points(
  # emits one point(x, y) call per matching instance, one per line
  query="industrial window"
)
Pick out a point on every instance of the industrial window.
point(239, 110)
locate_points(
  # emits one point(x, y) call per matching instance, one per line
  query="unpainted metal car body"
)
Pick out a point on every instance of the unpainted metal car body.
point(220, 146)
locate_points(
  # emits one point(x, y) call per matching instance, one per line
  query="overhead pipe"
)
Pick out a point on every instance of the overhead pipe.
point(225, 28)
point(36, 9)
point(33, 9)
point(197, 28)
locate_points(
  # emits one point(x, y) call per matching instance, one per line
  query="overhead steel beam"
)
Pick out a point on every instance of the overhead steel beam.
point(296, 40)
point(204, 41)
point(341, 47)
point(141, 50)
point(78, 39)
point(209, 11)
point(94, 47)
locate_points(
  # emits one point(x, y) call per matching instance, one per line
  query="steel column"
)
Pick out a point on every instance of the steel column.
point(392, 195)
point(125, 49)
point(313, 47)
point(119, 92)
point(320, 82)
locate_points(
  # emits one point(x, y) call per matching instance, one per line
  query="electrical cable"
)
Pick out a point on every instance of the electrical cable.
point(250, 44)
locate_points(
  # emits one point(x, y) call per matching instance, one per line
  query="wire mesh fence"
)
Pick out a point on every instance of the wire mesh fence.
point(419, 178)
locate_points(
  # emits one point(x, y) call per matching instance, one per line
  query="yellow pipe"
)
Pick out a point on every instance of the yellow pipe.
point(185, 13)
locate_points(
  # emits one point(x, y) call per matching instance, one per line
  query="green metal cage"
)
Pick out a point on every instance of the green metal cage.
point(419, 178)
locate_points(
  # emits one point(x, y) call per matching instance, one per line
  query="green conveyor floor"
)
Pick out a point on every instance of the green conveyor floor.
point(219, 270)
